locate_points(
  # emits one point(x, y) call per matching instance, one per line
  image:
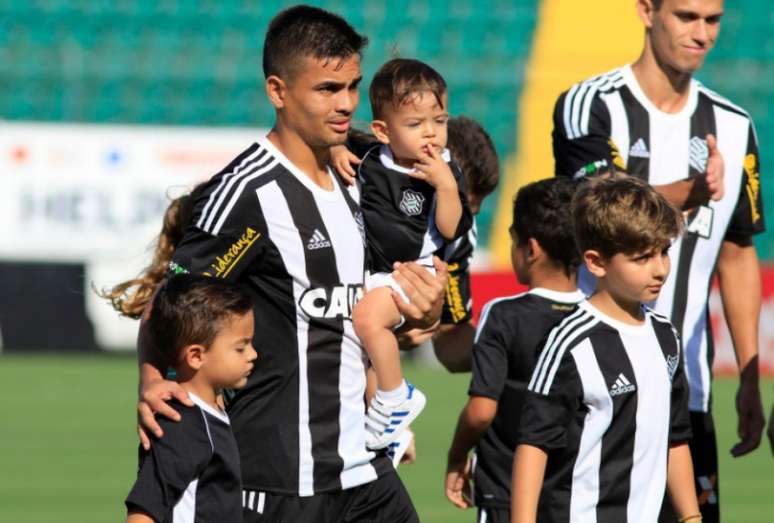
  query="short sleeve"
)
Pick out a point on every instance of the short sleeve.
point(748, 213)
point(545, 416)
point(679, 417)
point(466, 219)
point(224, 238)
point(582, 142)
point(458, 300)
point(171, 464)
point(490, 354)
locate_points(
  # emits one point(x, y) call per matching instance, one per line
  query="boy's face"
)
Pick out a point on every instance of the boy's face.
point(229, 360)
point(519, 259)
point(414, 126)
point(318, 99)
point(632, 277)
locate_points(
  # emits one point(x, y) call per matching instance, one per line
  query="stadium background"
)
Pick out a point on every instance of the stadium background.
point(111, 106)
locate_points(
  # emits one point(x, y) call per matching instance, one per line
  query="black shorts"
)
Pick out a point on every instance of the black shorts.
point(493, 515)
point(384, 500)
point(704, 453)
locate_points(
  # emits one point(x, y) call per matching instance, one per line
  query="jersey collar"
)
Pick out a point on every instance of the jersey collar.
point(639, 94)
point(206, 407)
point(575, 296)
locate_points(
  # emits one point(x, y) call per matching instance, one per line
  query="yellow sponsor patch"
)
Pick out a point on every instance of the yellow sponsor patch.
point(454, 298)
point(753, 185)
point(616, 155)
point(228, 260)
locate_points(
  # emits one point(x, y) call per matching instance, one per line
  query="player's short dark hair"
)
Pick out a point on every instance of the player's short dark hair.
point(401, 78)
point(302, 31)
point(473, 150)
point(622, 214)
point(190, 310)
point(541, 210)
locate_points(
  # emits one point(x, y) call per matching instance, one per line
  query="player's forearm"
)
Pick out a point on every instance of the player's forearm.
point(529, 468)
point(453, 346)
point(740, 289)
point(448, 211)
point(139, 517)
point(684, 194)
point(474, 419)
point(680, 482)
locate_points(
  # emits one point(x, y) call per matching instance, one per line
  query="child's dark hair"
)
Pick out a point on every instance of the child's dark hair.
point(473, 150)
point(622, 214)
point(129, 298)
point(190, 309)
point(542, 210)
point(401, 78)
point(306, 31)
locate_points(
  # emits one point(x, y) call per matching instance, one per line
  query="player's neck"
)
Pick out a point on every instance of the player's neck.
point(667, 88)
point(313, 162)
point(552, 279)
point(196, 384)
point(625, 311)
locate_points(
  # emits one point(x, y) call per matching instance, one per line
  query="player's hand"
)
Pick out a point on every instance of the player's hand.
point(410, 456)
point(432, 168)
point(424, 291)
point(416, 337)
point(342, 159)
point(716, 170)
point(458, 490)
point(153, 399)
point(751, 421)
point(770, 432)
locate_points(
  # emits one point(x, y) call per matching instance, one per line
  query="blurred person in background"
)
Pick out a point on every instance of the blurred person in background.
point(653, 120)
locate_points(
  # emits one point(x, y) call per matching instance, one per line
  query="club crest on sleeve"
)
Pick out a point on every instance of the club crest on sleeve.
point(412, 202)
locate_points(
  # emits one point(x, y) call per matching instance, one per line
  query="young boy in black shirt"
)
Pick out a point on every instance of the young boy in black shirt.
point(204, 330)
point(507, 343)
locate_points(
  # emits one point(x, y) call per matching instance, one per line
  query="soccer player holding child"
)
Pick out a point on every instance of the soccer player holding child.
point(508, 343)
point(605, 422)
point(204, 328)
point(413, 203)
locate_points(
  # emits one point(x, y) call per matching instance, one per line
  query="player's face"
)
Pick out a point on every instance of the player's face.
point(683, 31)
point(319, 99)
point(229, 360)
point(637, 277)
point(418, 124)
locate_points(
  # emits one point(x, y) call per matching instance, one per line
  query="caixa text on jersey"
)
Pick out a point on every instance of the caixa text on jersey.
point(331, 302)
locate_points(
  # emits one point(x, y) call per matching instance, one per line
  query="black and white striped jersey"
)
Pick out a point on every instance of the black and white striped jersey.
point(605, 400)
point(399, 211)
point(458, 302)
point(191, 475)
point(300, 421)
point(608, 120)
point(507, 343)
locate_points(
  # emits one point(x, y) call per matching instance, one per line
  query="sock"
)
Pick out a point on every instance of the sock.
point(395, 395)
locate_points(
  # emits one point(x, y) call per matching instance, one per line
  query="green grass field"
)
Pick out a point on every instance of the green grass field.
point(68, 447)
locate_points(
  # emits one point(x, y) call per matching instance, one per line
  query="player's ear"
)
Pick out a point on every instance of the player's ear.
point(645, 11)
point(276, 89)
point(534, 251)
point(193, 355)
point(595, 263)
point(381, 131)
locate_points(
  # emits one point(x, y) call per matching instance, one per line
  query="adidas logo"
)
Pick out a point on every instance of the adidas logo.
point(621, 386)
point(317, 241)
point(639, 149)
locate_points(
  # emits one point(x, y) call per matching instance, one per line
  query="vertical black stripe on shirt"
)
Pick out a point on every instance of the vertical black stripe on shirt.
point(702, 123)
point(616, 456)
point(323, 356)
point(639, 129)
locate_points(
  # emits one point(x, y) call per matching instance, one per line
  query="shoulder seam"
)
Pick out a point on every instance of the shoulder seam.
point(579, 99)
point(487, 308)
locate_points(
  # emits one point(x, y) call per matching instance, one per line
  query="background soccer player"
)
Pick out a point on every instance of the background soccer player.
point(653, 120)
